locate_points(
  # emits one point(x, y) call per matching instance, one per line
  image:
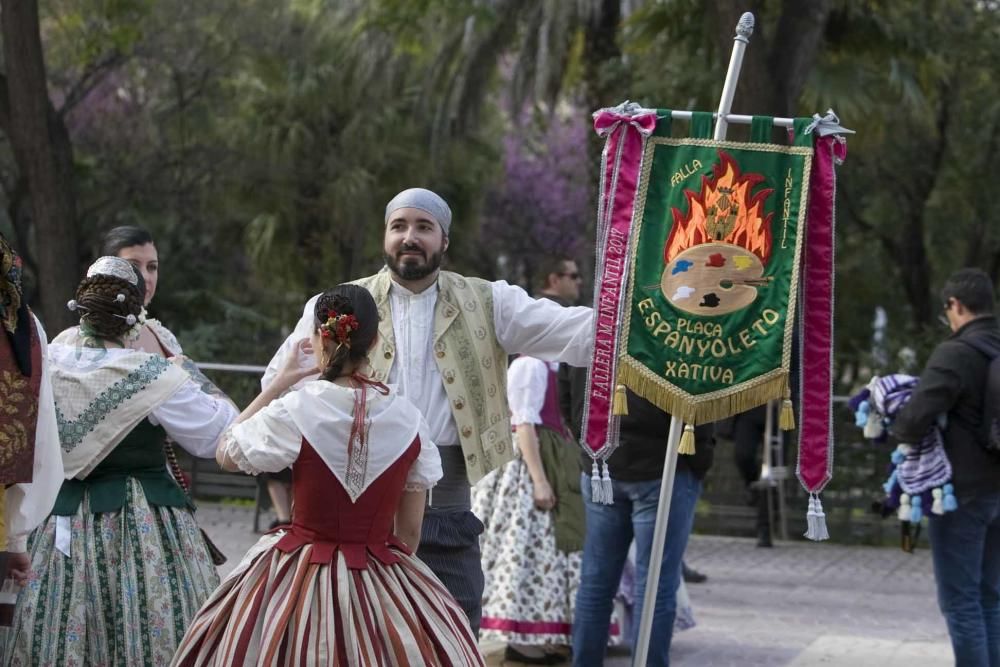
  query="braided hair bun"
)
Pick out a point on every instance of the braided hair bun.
point(348, 318)
point(106, 301)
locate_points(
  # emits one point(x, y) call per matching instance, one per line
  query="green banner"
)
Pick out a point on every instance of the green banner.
point(715, 256)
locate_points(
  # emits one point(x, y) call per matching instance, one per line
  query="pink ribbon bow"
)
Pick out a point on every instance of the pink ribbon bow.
point(605, 122)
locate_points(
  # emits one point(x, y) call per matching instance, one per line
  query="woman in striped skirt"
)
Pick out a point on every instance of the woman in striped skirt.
point(340, 586)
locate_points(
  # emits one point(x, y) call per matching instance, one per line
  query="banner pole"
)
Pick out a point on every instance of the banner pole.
point(659, 541)
point(743, 31)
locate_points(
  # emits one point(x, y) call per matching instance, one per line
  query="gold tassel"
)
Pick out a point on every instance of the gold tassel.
point(687, 441)
point(786, 421)
point(619, 404)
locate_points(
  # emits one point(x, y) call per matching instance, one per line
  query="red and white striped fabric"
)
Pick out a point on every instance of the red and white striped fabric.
point(283, 609)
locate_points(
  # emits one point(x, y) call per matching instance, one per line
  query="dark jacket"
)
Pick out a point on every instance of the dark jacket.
point(953, 383)
point(642, 443)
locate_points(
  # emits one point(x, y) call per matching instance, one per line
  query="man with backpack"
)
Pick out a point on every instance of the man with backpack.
point(960, 384)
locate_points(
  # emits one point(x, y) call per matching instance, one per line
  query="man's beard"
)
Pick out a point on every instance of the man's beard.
point(409, 271)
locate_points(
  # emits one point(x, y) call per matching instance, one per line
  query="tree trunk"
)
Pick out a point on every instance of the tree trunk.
point(775, 67)
point(44, 155)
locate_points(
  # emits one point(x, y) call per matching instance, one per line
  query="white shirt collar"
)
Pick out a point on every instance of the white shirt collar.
point(398, 290)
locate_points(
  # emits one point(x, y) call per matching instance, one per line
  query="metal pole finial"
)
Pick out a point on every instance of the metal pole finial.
point(745, 27)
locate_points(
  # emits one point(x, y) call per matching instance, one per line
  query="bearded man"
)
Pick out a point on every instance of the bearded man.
point(444, 342)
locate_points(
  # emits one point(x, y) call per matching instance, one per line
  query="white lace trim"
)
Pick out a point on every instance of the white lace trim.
point(525, 416)
point(235, 453)
point(413, 487)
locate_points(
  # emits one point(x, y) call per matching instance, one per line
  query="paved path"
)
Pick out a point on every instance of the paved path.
point(798, 604)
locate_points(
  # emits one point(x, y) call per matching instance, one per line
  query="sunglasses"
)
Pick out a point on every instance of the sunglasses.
point(572, 276)
point(942, 318)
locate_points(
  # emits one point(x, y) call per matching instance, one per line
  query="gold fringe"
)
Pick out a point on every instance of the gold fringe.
point(619, 404)
point(699, 412)
point(687, 441)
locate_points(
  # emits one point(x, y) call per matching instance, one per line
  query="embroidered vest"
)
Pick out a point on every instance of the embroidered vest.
point(471, 361)
point(19, 416)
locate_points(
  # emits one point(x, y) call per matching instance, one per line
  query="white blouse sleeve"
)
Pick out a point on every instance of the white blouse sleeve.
point(527, 381)
point(426, 470)
point(194, 420)
point(541, 327)
point(267, 442)
point(27, 505)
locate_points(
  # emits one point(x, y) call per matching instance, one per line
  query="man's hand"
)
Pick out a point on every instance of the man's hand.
point(18, 567)
point(291, 371)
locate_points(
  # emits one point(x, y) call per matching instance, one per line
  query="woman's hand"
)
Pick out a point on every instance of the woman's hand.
point(545, 499)
point(19, 567)
point(293, 370)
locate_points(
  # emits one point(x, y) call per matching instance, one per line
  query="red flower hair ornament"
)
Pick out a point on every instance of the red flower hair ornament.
point(339, 327)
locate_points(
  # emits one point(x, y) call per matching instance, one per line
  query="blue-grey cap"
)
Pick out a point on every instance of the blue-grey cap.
point(424, 200)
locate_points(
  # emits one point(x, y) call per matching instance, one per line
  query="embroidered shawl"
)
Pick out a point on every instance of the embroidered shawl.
point(101, 395)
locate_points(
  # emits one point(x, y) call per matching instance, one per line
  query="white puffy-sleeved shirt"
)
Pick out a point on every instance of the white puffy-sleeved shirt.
point(524, 325)
point(194, 420)
point(322, 413)
point(527, 383)
point(26, 505)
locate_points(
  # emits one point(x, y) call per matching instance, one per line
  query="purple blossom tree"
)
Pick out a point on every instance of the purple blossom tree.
point(542, 204)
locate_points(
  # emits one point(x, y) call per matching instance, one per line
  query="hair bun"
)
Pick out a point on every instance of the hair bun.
point(342, 304)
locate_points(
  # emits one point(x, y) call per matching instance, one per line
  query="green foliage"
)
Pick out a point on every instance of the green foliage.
point(259, 140)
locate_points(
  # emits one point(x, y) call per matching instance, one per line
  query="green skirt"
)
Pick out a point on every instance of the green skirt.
point(133, 581)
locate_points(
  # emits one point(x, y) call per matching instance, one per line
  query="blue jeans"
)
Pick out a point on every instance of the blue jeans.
point(966, 549)
point(610, 529)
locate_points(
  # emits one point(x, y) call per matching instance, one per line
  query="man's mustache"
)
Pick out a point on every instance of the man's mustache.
point(411, 248)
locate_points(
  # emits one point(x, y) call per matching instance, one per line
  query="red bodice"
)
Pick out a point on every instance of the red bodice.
point(325, 517)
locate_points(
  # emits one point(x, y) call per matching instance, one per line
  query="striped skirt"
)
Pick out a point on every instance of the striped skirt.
point(132, 582)
point(280, 608)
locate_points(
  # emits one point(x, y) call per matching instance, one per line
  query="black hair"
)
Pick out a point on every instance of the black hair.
point(972, 288)
point(547, 266)
point(348, 299)
point(100, 310)
point(125, 236)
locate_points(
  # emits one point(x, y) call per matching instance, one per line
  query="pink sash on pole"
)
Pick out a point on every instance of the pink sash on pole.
point(815, 466)
point(626, 128)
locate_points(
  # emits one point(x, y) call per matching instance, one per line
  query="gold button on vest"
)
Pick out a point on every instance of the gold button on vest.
point(470, 360)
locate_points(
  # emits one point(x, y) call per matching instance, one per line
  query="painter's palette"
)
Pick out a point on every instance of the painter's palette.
point(713, 279)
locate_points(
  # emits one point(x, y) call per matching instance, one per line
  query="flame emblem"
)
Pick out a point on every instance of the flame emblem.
point(725, 211)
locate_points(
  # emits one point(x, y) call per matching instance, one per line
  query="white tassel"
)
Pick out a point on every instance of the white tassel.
point(821, 532)
point(606, 488)
point(905, 511)
point(596, 488)
point(811, 520)
point(873, 427)
point(816, 521)
point(937, 507)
